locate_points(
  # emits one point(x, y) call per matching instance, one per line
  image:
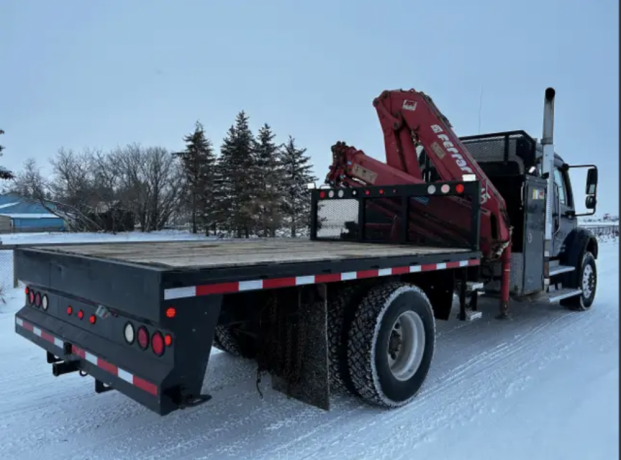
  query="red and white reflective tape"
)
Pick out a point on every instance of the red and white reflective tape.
point(91, 358)
point(40, 333)
point(115, 370)
point(242, 286)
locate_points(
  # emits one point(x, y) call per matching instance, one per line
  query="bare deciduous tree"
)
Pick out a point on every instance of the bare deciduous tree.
point(29, 182)
point(149, 183)
point(73, 182)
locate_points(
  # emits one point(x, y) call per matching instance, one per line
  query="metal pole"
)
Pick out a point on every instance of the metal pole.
point(547, 143)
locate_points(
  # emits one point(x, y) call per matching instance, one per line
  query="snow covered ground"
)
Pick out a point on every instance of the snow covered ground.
point(544, 385)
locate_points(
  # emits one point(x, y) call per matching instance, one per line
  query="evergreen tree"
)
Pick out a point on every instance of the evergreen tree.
point(268, 180)
point(235, 181)
point(4, 173)
point(199, 161)
point(297, 172)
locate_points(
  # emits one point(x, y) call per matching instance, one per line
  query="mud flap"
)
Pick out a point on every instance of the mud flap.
point(313, 386)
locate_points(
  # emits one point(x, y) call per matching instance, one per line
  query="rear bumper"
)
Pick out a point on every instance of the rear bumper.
point(139, 379)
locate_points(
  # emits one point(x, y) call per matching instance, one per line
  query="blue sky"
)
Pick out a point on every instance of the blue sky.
point(99, 74)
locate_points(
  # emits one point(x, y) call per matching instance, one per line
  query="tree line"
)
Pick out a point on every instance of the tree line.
point(253, 186)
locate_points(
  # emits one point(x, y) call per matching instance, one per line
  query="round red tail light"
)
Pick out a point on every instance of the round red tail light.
point(92, 319)
point(143, 338)
point(37, 299)
point(168, 340)
point(171, 312)
point(70, 310)
point(80, 314)
point(157, 344)
point(459, 188)
point(31, 297)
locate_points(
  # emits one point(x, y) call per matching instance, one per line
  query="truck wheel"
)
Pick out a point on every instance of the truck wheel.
point(337, 338)
point(227, 341)
point(391, 344)
point(587, 281)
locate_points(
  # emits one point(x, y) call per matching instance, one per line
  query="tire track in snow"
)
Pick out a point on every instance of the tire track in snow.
point(474, 367)
point(109, 410)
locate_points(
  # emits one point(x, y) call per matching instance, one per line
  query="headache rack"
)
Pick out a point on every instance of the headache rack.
point(439, 214)
point(512, 151)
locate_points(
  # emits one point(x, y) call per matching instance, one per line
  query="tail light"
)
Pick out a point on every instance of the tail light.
point(157, 344)
point(31, 297)
point(168, 340)
point(70, 310)
point(45, 303)
point(143, 338)
point(80, 314)
point(171, 312)
point(92, 319)
point(129, 333)
point(37, 300)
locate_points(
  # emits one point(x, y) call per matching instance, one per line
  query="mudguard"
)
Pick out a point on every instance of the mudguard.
point(577, 242)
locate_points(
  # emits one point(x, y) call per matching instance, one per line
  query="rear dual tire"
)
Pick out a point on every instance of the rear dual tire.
point(390, 344)
point(380, 348)
point(227, 340)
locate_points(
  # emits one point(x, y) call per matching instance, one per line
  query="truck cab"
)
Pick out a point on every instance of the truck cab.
point(513, 162)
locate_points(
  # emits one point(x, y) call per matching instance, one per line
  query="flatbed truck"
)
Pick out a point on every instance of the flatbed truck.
point(354, 306)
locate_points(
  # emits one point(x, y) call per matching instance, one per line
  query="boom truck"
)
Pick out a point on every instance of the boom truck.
point(352, 308)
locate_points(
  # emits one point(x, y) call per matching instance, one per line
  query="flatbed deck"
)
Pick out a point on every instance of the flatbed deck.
point(222, 254)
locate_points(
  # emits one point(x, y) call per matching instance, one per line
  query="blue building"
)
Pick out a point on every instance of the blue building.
point(18, 214)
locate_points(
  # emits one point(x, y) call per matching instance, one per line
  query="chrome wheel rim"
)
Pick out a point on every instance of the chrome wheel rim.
point(406, 345)
point(588, 281)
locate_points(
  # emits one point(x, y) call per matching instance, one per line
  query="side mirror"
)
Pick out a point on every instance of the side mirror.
point(590, 201)
point(591, 182)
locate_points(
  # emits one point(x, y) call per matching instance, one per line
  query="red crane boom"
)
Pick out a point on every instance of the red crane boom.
point(410, 119)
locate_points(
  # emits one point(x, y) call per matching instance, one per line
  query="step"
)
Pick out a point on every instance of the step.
point(558, 269)
point(472, 286)
point(471, 315)
point(564, 293)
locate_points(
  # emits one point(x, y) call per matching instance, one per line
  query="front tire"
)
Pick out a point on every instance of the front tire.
point(391, 344)
point(587, 281)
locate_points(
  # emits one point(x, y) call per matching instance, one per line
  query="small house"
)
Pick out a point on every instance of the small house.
point(18, 215)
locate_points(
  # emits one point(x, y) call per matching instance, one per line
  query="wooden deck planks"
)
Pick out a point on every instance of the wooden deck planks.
point(192, 254)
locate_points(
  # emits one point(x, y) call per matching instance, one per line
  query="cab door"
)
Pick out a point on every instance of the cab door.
point(563, 220)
